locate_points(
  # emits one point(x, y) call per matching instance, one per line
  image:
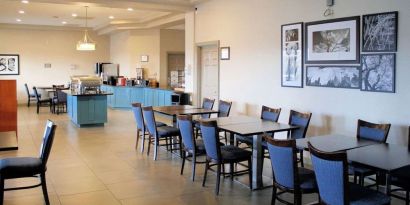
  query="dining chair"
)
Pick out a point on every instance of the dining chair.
point(206, 104)
point(218, 155)
point(369, 131)
point(25, 167)
point(157, 134)
point(331, 172)
point(42, 102)
point(139, 119)
point(224, 108)
point(301, 120)
point(30, 96)
point(60, 102)
point(287, 176)
point(191, 147)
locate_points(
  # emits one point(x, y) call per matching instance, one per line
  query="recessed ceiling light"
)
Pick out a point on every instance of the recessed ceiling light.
point(24, 1)
point(130, 9)
point(74, 15)
point(21, 12)
point(111, 17)
point(18, 20)
point(64, 22)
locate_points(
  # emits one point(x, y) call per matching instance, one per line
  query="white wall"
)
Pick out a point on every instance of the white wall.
point(37, 46)
point(171, 41)
point(252, 77)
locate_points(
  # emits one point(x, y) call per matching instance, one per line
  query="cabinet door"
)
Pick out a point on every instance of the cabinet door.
point(161, 97)
point(167, 98)
point(137, 95)
point(122, 98)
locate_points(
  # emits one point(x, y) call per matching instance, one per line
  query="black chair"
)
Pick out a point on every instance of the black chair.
point(331, 172)
point(60, 102)
point(220, 155)
point(192, 147)
point(42, 102)
point(30, 96)
point(287, 176)
point(23, 167)
point(374, 132)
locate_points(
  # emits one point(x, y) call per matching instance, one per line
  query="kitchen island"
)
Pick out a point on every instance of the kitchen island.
point(87, 109)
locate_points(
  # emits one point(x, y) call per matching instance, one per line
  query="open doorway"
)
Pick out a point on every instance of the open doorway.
point(176, 72)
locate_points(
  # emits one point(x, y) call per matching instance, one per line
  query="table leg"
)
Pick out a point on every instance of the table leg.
point(256, 162)
point(388, 188)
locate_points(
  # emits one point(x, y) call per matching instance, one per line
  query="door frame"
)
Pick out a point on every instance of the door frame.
point(197, 75)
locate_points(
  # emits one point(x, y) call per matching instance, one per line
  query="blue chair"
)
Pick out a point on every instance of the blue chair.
point(374, 132)
point(158, 134)
point(331, 171)
point(206, 104)
point(25, 167)
point(224, 108)
point(220, 155)
point(288, 177)
point(139, 119)
point(301, 120)
point(191, 147)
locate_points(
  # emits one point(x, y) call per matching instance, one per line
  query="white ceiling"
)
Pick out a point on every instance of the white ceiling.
point(145, 13)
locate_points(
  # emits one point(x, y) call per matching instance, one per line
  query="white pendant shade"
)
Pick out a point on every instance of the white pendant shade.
point(86, 44)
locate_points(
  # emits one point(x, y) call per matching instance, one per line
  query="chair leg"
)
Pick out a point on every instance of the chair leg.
point(138, 139)
point(193, 165)
point(407, 198)
point(218, 178)
point(44, 187)
point(156, 148)
point(302, 164)
point(297, 197)
point(149, 144)
point(28, 102)
point(183, 162)
point(206, 172)
point(355, 178)
point(2, 190)
point(142, 141)
point(38, 108)
point(250, 173)
point(361, 180)
point(273, 202)
point(231, 170)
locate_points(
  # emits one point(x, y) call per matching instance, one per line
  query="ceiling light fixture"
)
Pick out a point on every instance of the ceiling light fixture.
point(111, 17)
point(21, 12)
point(18, 20)
point(86, 44)
point(74, 15)
point(130, 9)
point(24, 1)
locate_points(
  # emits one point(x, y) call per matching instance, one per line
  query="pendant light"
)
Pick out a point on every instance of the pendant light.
point(86, 44)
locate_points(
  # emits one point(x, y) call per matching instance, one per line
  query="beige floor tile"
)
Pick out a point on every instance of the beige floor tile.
point(97, 198)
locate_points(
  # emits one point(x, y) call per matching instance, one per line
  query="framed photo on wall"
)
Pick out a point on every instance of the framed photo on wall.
point(378, 72)
point(334, 41)
point(380, 32)
point(292, 55)
point(9, 64)
point(333, 76)
point(225, 53)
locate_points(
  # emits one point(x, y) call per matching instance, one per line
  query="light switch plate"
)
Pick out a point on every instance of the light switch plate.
point(330, 2)
point(47, 65)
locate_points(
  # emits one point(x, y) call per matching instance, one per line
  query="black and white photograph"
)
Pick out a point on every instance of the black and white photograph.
point(9, 64)
point(378, 72)
point(334, 41)
point(333, 76)
point(380, 32)
point(292, 55)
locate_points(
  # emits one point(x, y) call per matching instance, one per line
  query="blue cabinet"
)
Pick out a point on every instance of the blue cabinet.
point(87, 110)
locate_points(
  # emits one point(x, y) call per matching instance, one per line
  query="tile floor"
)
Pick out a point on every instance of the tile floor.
point(100, 166)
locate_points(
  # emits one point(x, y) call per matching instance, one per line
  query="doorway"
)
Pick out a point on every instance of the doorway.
point(176, 72)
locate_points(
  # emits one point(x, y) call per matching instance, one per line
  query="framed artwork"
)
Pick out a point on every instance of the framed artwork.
point(380, 32)
point(225, 53)
point(334, 41)
point(292, 55)
point(378, 72)
point(144, 58)
point(333, 76)
point(9, 64)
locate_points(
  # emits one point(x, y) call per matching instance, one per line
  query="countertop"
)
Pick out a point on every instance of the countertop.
point(74, 93)
point(159, 88)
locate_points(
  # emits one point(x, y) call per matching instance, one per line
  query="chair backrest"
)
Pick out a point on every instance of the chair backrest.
point(271, 114)
point(150, 122)
point(61, 96)
point(210, 136)
point(284, 162)
point(138, 116)
point(224, 107)
point(27, 90)
point(207, 104)
point(408, 141)
point(331, 176)
point(36, 93)
point(186, 128)
point(372, 131)
point(301, 120)
point(47, 142)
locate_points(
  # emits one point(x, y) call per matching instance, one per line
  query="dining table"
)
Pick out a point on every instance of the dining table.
point(175, 110)
point(8, 140)
point(333, 143)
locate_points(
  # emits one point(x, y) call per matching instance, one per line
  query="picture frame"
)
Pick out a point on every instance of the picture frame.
point(292, 55)
point(9, 64)
point(380, 32)
point(378, 72)
point(334, 76)
point(334, 41)
point(225, 53)
point(144, 58)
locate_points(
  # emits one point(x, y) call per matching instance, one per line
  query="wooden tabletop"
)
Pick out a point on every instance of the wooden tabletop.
point(8, 141)
point(256, 128)
point(384, 157)
point(186, 112)
point(175, 107)
point(44, 87)
point(240, 119)
point(333, 143)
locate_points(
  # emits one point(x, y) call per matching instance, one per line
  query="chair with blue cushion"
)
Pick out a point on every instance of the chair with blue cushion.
point(287, 176)
point(224, 108)
point(192, 147)
point(206, 104)
point(219, 155)
point(374, 132)
point(139, 119)
point(158, 134)
point(25, 167)
point(331, 172)
point(301, 120)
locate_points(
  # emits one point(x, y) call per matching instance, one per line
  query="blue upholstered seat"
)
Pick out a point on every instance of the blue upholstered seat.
point(20, 167)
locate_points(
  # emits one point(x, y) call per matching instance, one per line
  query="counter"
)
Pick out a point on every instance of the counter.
point(88, 109)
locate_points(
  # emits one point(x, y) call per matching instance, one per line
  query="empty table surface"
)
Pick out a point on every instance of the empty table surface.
point(333, 143)
point(240, 119)
point(8, 141)
point(186, 111)
point(256, 128)
point(175, 107)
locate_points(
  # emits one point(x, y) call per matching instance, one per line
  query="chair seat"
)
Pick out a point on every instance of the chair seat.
point(20, 167)
point(48, 100)
point(360, 170)
point(160, 124)
point(33, 95)
point(363, 196)
point(231, 153)
point(401, 178)
point(244, 139)
point(166, 131)
point(307, 179)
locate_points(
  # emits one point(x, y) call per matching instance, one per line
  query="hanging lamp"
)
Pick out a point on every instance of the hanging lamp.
point(86, 44)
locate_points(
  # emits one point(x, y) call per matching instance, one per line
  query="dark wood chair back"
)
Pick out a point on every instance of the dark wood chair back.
point(372, 131)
